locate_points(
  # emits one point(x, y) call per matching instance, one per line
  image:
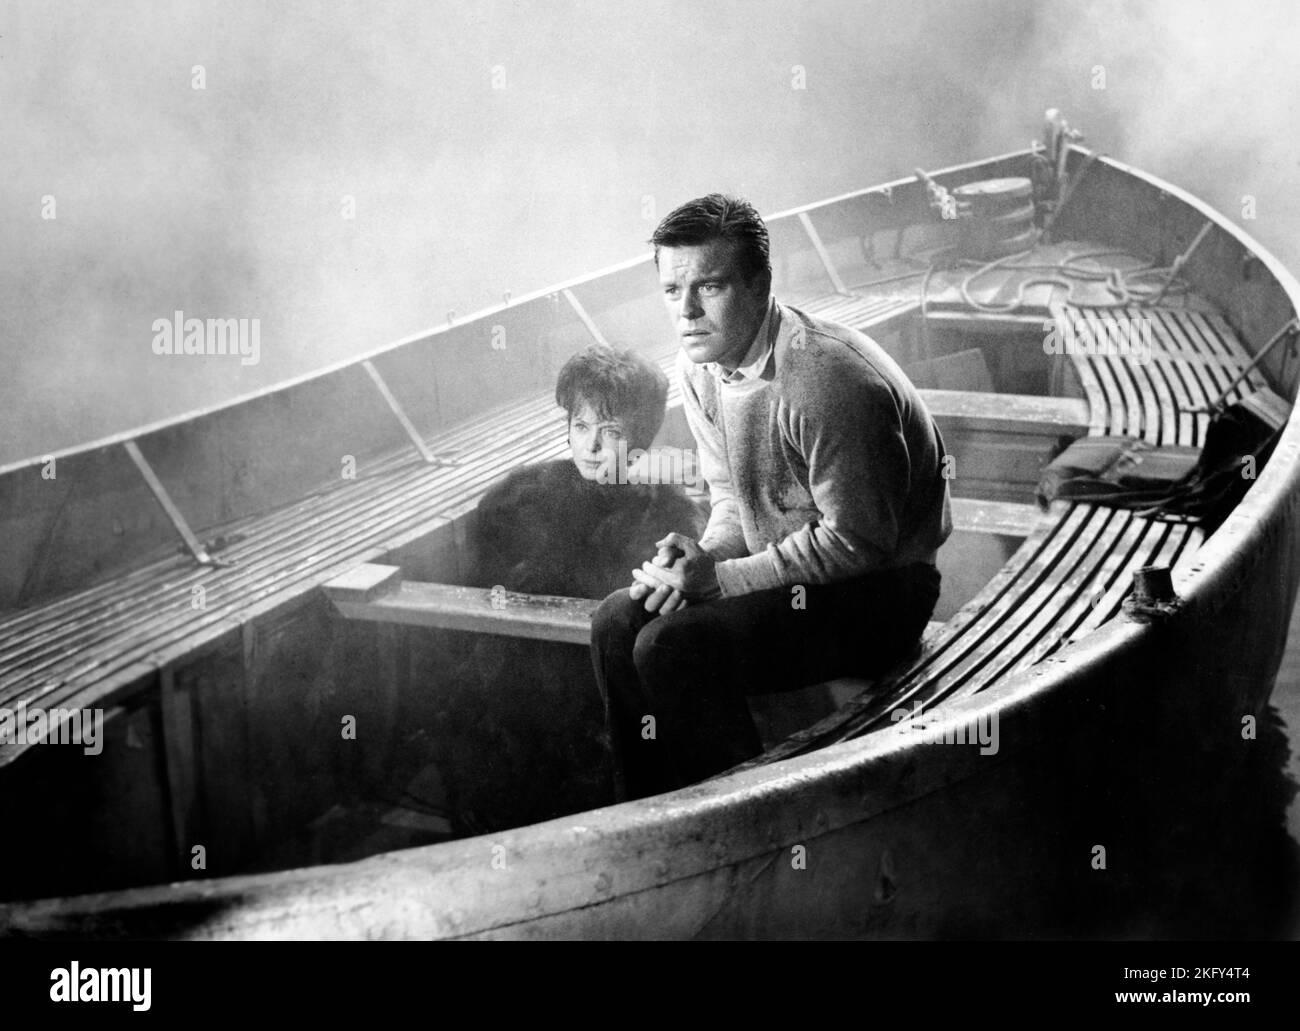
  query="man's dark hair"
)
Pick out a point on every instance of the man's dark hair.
point(718, 217)
point(618, 384)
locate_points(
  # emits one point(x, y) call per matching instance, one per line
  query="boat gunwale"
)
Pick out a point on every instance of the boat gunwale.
point(431, 334)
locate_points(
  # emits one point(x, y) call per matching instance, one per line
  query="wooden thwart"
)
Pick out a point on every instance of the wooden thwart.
point(376, 593)
point(977, 410)
point(1004, 518)
point(1008, 413)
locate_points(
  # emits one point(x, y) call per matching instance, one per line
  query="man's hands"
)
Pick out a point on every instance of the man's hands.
point(659, 597)
point(682, 571)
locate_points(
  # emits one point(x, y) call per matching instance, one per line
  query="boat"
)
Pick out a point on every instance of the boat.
point(228, 588)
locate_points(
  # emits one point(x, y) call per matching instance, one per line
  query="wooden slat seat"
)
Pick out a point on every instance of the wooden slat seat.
point(1194, 356)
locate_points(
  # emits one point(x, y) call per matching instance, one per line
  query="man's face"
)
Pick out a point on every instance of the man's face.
point(594, 442)
point(716, 313)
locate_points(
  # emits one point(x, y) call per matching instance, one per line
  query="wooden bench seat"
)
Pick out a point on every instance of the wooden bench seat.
point(964, 410)
point(378, 593)
point(1194, 356)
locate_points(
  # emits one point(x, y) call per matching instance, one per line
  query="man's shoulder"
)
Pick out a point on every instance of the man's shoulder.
point(855, 344)
point(816, 324)
point(818, 355)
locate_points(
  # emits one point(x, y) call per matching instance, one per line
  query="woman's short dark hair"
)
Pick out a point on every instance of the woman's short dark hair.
point(618, 384)
point(718, 217)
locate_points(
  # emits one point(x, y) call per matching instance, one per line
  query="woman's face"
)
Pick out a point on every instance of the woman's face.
point(594, 443)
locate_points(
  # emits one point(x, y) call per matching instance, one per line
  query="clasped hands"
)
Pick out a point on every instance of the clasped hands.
point(681, 572)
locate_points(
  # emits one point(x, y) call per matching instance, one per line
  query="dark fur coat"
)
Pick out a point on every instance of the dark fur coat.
point(526, 719)
point(545, 530)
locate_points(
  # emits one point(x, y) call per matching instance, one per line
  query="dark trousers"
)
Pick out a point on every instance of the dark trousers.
point(674, 686)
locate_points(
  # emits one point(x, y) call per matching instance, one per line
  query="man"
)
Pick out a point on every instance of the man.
point(829, 504)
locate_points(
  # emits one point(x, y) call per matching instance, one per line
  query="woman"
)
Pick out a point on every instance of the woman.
point(524, 718)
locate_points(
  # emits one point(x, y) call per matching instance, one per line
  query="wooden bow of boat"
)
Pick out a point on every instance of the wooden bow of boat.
point(222, 683)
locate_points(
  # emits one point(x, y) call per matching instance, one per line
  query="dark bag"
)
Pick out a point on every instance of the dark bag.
point(1118, 471)
point(1238, 441)
point(1173, 481)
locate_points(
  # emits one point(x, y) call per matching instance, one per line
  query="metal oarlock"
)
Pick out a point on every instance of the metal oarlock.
point(1153, 595)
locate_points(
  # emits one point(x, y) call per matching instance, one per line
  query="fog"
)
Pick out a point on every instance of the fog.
point(489, 147)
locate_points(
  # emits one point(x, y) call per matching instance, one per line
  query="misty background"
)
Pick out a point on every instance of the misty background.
point(507, 146)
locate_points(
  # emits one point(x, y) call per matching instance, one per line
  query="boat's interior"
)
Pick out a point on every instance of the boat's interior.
point(226, 682)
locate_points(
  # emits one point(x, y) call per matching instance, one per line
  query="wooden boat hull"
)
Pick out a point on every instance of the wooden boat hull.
point(878, 836)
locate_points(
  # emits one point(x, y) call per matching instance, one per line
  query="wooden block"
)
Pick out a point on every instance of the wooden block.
point(363, 583)
point(451, 607)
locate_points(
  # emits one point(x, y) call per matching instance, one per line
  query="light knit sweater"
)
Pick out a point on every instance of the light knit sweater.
point(824, 467)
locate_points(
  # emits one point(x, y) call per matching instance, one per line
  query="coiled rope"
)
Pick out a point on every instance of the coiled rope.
point(1123, 284)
